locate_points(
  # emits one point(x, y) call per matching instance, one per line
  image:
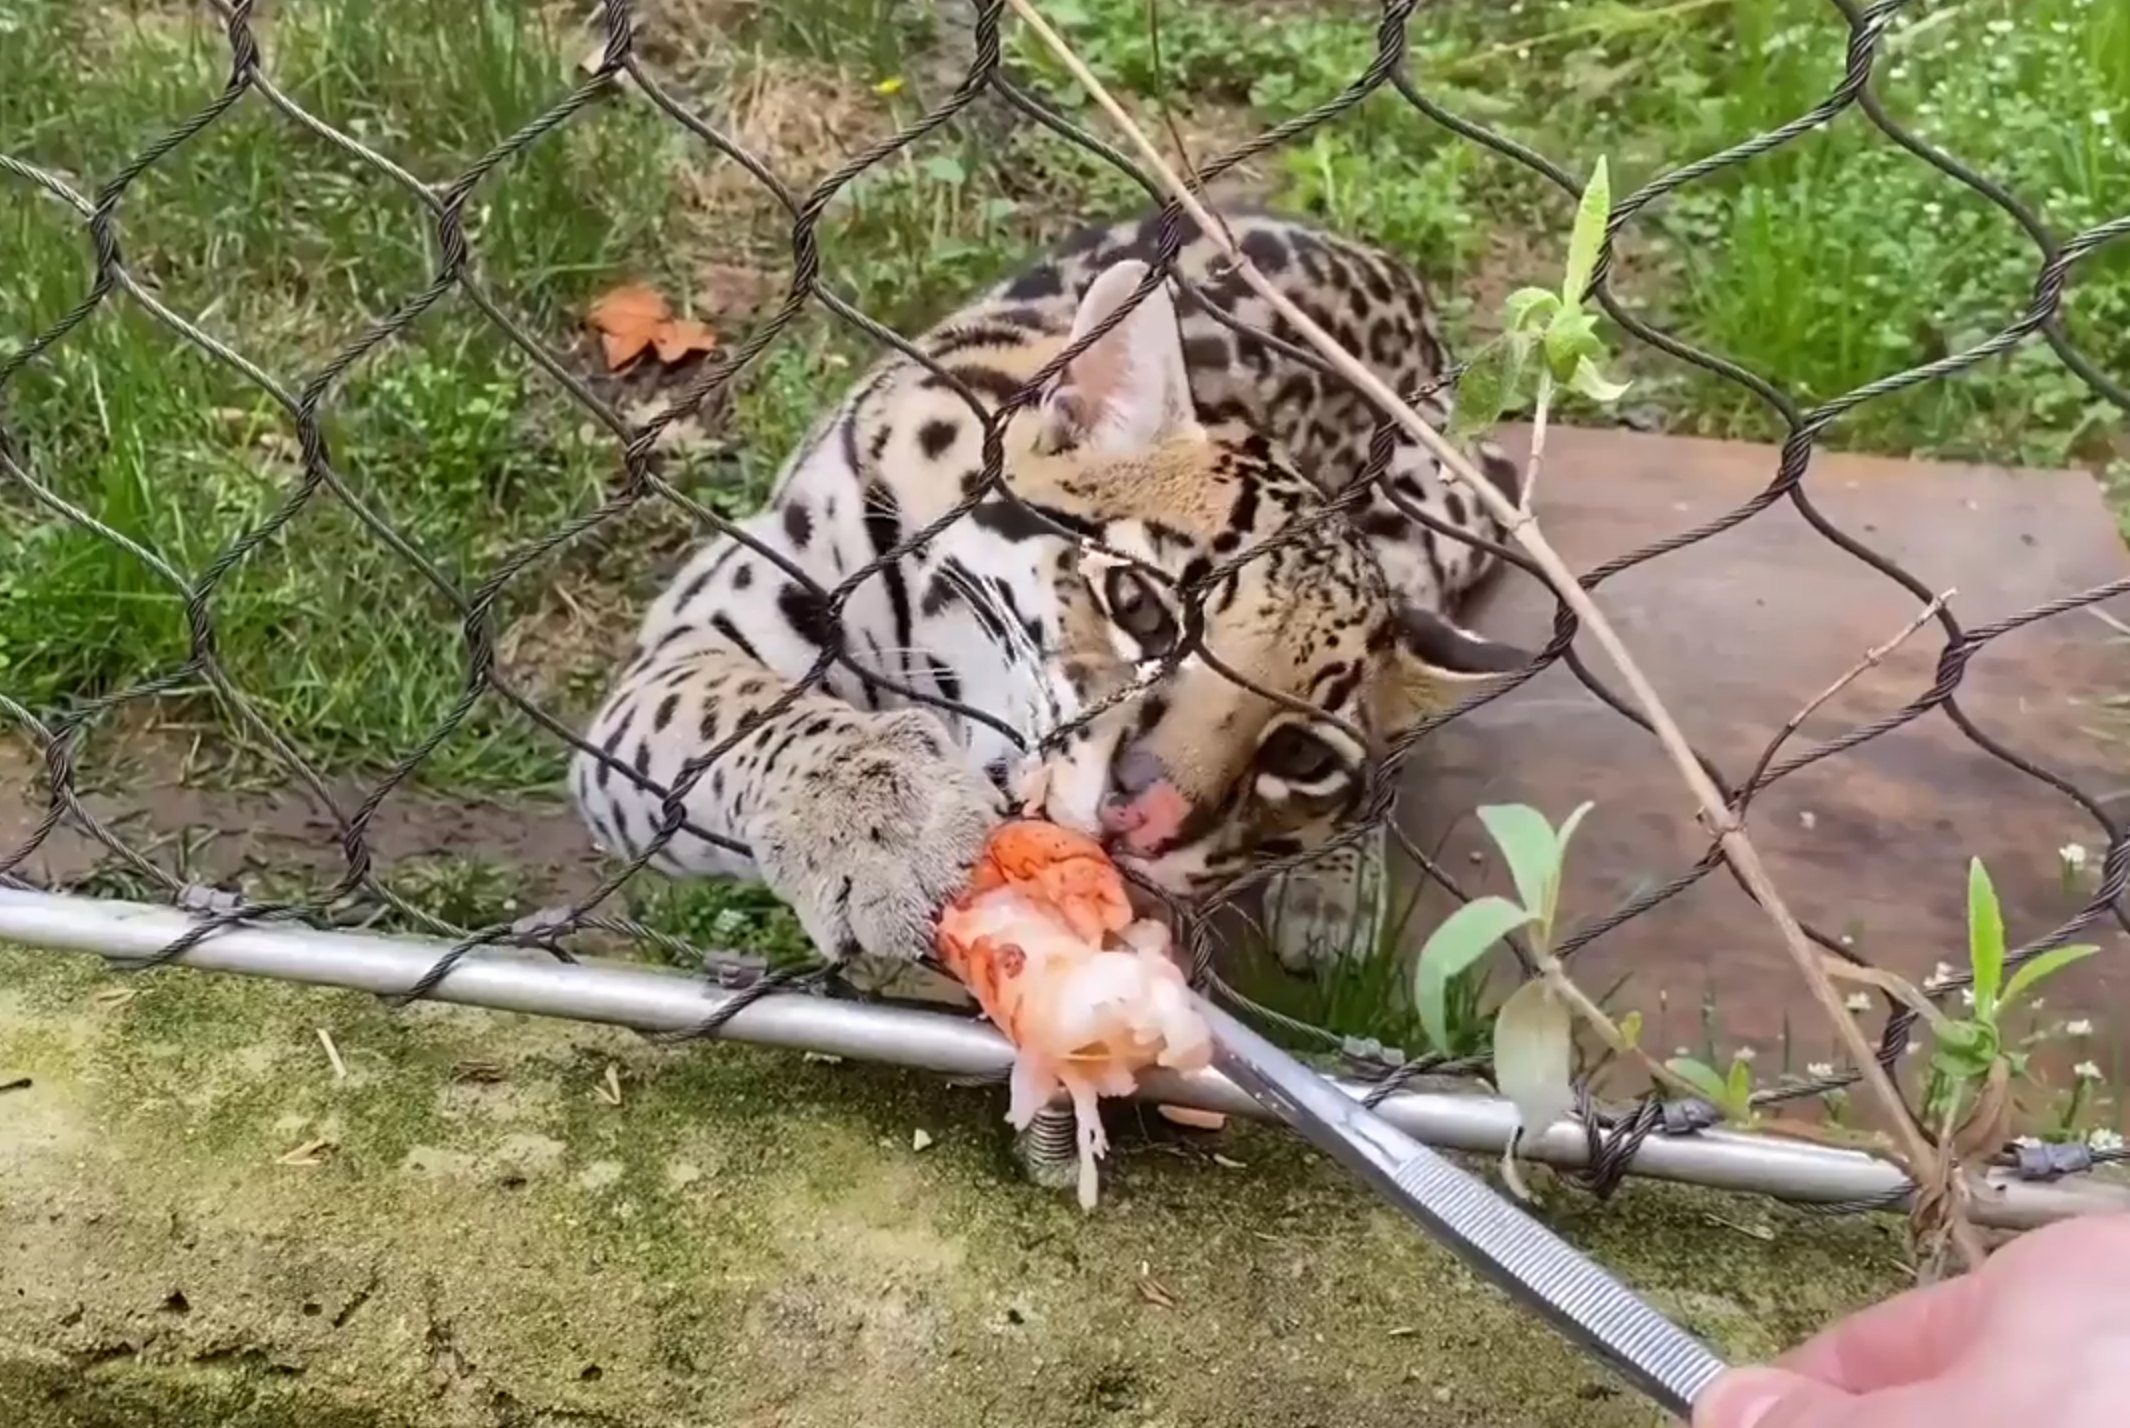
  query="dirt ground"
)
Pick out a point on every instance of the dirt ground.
point(200, 1224)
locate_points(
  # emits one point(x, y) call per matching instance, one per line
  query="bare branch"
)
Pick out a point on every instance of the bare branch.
point(1737, 849)
point(1870, 661)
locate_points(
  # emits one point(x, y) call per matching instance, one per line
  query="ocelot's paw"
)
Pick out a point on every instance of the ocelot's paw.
point(1328, 911)
point(869, 837)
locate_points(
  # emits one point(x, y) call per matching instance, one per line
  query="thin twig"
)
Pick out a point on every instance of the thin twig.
point(1161, 100)
point(1540, 405)
point(332, 1054)
point(1737, 849)
point(1868, 662)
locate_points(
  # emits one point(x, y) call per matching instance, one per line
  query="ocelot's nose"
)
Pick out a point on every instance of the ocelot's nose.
point(1143, 809)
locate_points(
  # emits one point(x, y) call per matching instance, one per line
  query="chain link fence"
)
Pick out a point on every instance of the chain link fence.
point(62, 736)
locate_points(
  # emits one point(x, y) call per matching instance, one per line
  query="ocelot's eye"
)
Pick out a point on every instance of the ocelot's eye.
point(1138, 611)
point(1298, 756)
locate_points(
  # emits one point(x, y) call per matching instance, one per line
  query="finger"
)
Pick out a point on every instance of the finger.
point(1768, 1397)
point(1911, 1337)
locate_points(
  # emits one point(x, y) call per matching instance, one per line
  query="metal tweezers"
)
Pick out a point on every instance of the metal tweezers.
point(1538, 1268)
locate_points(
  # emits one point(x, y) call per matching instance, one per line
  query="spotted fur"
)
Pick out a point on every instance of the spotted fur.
point(1174, 441)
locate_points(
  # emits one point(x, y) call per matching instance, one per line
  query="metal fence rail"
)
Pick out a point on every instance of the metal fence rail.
point(213, 926)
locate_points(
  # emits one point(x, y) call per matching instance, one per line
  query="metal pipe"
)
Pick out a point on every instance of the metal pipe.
point(658, 1000)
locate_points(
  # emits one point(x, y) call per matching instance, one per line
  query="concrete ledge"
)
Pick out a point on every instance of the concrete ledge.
point(748, 1238)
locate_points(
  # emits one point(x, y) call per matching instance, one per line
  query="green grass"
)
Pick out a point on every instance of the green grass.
point(279, 245)
point(1831, 262)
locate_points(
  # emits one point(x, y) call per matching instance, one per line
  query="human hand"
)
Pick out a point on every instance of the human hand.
point(2039, 1334)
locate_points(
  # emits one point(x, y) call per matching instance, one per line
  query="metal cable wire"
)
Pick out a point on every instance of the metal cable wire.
point(60, 736)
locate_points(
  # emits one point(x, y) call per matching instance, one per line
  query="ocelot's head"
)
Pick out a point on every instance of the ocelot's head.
point(1194, 773)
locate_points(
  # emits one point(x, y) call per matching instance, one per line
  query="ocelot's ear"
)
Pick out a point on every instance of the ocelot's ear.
point(1130, 389)
point(1436, 663)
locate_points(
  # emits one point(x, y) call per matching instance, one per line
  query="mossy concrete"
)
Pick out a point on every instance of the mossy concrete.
point(485, 1238)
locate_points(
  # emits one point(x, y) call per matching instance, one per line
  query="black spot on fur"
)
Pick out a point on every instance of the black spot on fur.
point(987, 381)
point(694, 588)
point(1166, 535)
point(607, 746)
point(743, 577)
point(1263, 247)
point(1031, 318)
point(945, 679)
point(1017, 522)
point(664, 714)
point(1345, 678)
point(1205, 351)
point(1502, 472)
point(724, 626)
point(798, 524)
point(1384, 525)
point(806, 611)
point(1453, 506)
point(1242, 516)
point(883, 525)
point(940, 595)
point(936, 436)
point(1037, 283)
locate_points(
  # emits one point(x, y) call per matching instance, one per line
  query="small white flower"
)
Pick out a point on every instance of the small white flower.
point(1820, 1070)
point(2103, 1139)
point(1809, 819)
point(1939, 976)
point(1744, 1053)
point(2026, 1141)
point(2081, 1027)
point(2086, 1071)
point(1858, 1002)
point(2102, 118)
point(1914, 1046)
point(1967, 996)
point(2073, 855)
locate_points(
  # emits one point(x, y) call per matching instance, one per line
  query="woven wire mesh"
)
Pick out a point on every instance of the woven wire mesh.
point(640, 479)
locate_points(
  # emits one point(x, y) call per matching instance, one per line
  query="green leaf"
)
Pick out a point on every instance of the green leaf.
point(1963, 1050)
point(1487, 388)
point(1560, 853)
point(1528, 308)
point(1534, 1046)
point(1588, 235)
point(1571, 339)
point(2042, 965)
point(1985, 940)
point(1593, 384)
point(1701, 1076)
point(1631, 1029)
point(1462, 939)
point(946, 169)
point(1527, 842)
point(1738, 1091)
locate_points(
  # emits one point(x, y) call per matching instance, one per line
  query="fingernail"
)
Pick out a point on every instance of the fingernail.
point(1742, 1398)
point(1756, 1408)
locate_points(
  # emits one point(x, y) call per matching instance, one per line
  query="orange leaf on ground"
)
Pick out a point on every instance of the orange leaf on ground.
point(677, 337)
point(628, 320)
point(621, 350)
